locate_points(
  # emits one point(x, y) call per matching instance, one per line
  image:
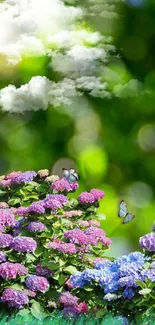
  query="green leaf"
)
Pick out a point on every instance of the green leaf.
point(53, 266)
point(141, 284)
point(2, 192)
point(152, 295)
point(30, 258)
point(24, 312)
point(70, 269)
point(14, 201)
point(37, 311)
point(144, 291)
point(16, 287)
point(61, 279)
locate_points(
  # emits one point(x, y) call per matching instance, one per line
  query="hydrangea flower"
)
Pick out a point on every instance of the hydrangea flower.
point(25, 177)
point(23, 244)
point(98, 194)
point(82, 307)
point(58, 197)
point(43, 173)
point(3, 205)
point(72, 213)
point(5, 240)
point(52, 178)
point(5, 182)
point(71, 312)
point(37, 207)
point(43, 271)
point(2, 257)
point(29, 293)
point(94, 223)
point(37, 283)
point(12, 175)
point(86, 197)
point(7, 218)
point(148, 274)
point(128, 293)
point(22, 211)
point(36, 226)
point(1, 229)
point(53, 204)
point(11, 270)
point(63, 247)
point(14, 298)
point(77, 236)
point(83, 223)
point(62, 185)
point(110, 296)
point(67, 299)
point(148, 242)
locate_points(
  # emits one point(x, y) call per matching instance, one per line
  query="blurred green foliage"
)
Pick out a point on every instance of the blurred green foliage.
point(110, 141)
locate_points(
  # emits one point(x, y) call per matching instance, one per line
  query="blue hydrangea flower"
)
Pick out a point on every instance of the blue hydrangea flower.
point(128, 293)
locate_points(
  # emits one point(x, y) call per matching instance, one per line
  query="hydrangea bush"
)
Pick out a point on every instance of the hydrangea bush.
point(46, 235)
point(52, 253)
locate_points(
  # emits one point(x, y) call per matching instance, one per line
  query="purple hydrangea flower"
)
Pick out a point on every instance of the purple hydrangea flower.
point(98, 194)
point(148, 242)
point(148, 274)
point(86, 197)
point(2, 257)
point(78, 236)
point(71, 312)
point(67, 299)
point(7, 218)
point(14, 298)
point(36, 226)
point(128, 281)
point(62, 185)
point(53, 204)
point(22, 211)
point(37, 283)
point(5, 240)
point(1, 229)
point(23, 244)
point(43, 271)
point(25, 177)
point(37, 207)
point(128, 293)
point(58, 197)
point(63, 247)
point(11, 270)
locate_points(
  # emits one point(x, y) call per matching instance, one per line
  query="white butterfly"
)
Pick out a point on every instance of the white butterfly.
point(123, 212)
point(70, 174)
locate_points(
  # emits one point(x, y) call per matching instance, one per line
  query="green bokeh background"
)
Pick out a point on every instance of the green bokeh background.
point(111, 142)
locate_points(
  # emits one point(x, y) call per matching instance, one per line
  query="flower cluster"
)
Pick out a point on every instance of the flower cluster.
point(25, 177)
point(11, 270)
point(114, 276)
point(90, 197)
point(14, 298)
point(36, 226)
point(23, 244)
point(37, 283)
point(62, 185)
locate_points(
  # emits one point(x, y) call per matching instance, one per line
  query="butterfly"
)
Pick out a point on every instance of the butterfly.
point(70, 174)
point(123, 213)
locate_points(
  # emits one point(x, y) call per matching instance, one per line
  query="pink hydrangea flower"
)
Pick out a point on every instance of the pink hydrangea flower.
point(11, 270)
point(3, 205)
point(67, 299)
point(24, 244)
point(22, 211)
point(98, 194)
point(43, 173)
point(72, 213)
point(82, 307)
point(86, 197)
point(12, 175)
point(62, 185)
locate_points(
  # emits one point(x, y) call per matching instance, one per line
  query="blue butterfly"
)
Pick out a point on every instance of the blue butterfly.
point(123, 213)
point(70, 174)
